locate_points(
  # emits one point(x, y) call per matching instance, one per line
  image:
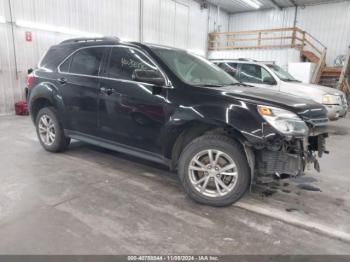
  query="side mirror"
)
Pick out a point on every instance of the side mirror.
point(269, 81)
point(148, 76)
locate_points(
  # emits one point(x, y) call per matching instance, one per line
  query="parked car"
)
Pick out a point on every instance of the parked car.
point(271, 76)
point(169, 106)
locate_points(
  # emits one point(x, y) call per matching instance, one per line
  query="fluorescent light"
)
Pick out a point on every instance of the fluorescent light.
point(253, 3)
point(2, 20)
point(57, 29)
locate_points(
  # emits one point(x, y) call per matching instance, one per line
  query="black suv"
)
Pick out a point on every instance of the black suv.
point(169, 106)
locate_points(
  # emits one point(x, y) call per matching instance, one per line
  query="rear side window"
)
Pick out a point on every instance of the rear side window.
point(124, 61)
point(253, 74)
point(230, 68)
point(86, 61)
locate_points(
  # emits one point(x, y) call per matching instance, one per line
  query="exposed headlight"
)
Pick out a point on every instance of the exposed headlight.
point(283, 121)
point(330, 99)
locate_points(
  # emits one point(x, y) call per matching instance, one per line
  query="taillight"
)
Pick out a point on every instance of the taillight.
point(29, 80)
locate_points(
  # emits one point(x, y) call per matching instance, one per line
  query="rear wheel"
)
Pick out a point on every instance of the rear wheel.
point(214, 171)
point(50, 131)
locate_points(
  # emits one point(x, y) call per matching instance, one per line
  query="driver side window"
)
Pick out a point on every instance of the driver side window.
point(124, 61)
point(230, 68)
point(255, 74)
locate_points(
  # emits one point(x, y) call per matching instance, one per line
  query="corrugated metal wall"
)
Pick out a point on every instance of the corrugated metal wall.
point(180, 23)
point(329, 23)
point(176, 23)
point(218, 20)
point(8, 89)
point(198, 29)
point(264, 19)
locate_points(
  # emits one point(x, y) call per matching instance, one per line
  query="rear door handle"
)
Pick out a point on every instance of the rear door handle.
point(62, 80)
point(107, 91)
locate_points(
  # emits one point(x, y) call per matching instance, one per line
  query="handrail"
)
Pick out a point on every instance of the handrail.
point(316, 40)
point(290, 37)
point(254, 31)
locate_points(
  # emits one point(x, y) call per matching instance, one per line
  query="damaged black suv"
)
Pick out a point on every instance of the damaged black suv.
point(169, 106)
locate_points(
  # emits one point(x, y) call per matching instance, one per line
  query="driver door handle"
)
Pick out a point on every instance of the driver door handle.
point(62, 80)
point(107, 91)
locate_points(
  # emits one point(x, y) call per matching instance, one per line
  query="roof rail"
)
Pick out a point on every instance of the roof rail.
point(235, 59)
point(247, 59)
point(89, 39)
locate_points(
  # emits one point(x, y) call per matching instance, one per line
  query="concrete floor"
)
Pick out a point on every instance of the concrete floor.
point(94, 201)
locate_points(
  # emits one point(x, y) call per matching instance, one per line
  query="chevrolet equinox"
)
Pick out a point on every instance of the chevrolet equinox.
point(175, 108)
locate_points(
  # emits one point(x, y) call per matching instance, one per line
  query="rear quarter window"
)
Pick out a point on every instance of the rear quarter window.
point(53, 57)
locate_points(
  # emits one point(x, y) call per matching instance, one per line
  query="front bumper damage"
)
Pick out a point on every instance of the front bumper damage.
point(287, 156)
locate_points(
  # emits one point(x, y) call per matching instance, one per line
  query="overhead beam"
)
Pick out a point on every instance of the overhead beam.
point(295, 13)
point(273, 2)
point(203, 3)
point(293, 2)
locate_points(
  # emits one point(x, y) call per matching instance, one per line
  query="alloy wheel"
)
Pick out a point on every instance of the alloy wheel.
point(47, 130)
point(213, 173)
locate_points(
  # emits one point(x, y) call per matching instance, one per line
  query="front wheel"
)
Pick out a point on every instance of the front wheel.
point(50, 131)
point(214, 171)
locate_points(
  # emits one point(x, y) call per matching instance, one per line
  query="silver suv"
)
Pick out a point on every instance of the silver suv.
point(271, 76)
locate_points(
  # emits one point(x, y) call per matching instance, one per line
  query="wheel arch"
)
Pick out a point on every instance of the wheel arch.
point(44, 95)
point(194, 129)
point(37, 105)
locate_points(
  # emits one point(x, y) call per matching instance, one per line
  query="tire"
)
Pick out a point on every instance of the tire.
point(55, 141)
point(230, 154)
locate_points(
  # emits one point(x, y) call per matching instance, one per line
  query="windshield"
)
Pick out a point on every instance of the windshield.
point(194, 70)
point(281, 74)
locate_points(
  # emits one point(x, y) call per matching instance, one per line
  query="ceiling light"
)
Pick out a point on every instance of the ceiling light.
point(253, 3)
point(56, 29)
point(2, 20)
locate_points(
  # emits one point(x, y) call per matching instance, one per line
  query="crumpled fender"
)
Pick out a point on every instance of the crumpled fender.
point(242, 117)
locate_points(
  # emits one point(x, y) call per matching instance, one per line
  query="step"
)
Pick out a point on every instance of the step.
point(329, 81)
point(310, 56)
point(331, 71)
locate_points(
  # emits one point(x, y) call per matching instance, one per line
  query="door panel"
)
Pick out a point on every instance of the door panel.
point(80, 96)
point(131, 113)
point(80, 88)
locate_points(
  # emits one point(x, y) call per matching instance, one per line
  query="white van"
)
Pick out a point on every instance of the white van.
point(271, 76)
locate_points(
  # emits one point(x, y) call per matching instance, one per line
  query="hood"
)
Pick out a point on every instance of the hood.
point(305, 108)
point(311, 91)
